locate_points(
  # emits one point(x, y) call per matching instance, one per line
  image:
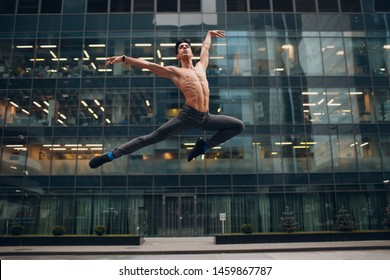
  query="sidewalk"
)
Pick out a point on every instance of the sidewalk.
point(192, 245)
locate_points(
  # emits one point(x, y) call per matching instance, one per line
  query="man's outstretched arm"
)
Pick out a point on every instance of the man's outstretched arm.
point(204, 53)
point(166, 72)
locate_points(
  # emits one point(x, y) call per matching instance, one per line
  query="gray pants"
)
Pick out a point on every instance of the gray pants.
point(188, 118)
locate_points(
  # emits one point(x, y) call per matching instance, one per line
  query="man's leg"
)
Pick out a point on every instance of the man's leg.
point(170, 128)
point(227, 127)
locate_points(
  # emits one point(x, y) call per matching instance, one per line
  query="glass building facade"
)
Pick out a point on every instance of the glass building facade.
point(310, 79)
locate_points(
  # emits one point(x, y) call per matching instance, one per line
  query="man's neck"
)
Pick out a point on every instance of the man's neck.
point(186, 63)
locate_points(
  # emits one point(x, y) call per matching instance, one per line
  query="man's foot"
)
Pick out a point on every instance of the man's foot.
point(199, 149)
point(99, 160)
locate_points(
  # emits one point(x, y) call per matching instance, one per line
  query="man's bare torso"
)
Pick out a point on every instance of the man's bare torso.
point(194, 86)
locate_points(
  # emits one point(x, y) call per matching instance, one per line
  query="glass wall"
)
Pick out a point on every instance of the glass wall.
point(311, 85)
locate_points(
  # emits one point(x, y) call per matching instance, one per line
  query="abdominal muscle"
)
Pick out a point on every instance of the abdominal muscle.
point(195, 89)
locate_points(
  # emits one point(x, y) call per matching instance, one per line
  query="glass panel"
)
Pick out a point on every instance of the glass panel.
point(167, 6)
point(256, 5)
point(305, 5)
point(120, 6)
point(28, 6)
point(339, 107)
point(5, 58)
point(282, 5)
point(328, 6)
point(314, 106)
point(379, 56)
point(49, 23)
point(239, 61)
point(51, 6)
point(47, 58)
point(97, 6)
point(22, 59)
point(382, 6)
point(71, 58)
point(236, 5)
point(74, 6)
point(7, 7)
point(40, 155)
point(343, 152)
point(143, 48)
point(64, 156)
point(143, 5)
point(310, 62)
point(385, 150)
point(356, 55)
point(261, 59)
point(269, 153)
point(166, 155)
point(143, 22)
point(382, 99)
point(13, 161)
point(190, 5)
point(362, 105)
point(117, 46)
point(94, 55)
point(333, 56)
point(18, 112)
point(39, 109)
point(350, 6)
point(115, 108)
point(368, 152)
point(320, 157)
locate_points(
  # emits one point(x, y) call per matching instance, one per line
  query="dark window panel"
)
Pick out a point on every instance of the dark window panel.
point(382, 6)
point(7, 7)
point(143, 5)
point(236, 6)
point(282, 5)
point(167, 6)
point(28, 6)
point(305, 5)
point(350, 6)
point(51, 6)
point(190, 5)
point(97, 6)
point(328, 6)
point(256, 5)
point(119, 6)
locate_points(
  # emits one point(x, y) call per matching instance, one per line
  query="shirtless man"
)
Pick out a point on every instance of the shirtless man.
point(192, 82)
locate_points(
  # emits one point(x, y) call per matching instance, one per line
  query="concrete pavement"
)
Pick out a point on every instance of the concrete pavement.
point(193, 245)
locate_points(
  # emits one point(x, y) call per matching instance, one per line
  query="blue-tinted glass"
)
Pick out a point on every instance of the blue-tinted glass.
point(51, 6)
point(7, 7)
point(74, 6)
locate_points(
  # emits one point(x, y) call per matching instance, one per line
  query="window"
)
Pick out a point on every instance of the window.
point(167, 6)
point(28, 6)
point(382, 6)
point(190, 5)
point(7, 7)
point(51, 6)
point(97, 6)
point(118, 6)
point(305, 5)
point(236, 5)
point(256, 5)
point(348, 6)
point(283, 5)
point(328, 6)
point(143, 5)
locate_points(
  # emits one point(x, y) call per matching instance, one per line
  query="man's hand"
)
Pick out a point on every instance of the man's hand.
point(217, 33)
point(113, 60)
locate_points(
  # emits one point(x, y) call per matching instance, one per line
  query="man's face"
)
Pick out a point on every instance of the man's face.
point(184, 50)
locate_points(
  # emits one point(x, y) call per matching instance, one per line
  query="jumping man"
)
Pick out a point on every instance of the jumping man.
point(192, 82)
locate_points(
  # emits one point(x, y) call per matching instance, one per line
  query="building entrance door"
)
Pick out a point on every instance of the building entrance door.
point(179, 215)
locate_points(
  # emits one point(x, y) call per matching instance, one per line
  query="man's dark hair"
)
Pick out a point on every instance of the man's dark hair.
point(188, 41)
